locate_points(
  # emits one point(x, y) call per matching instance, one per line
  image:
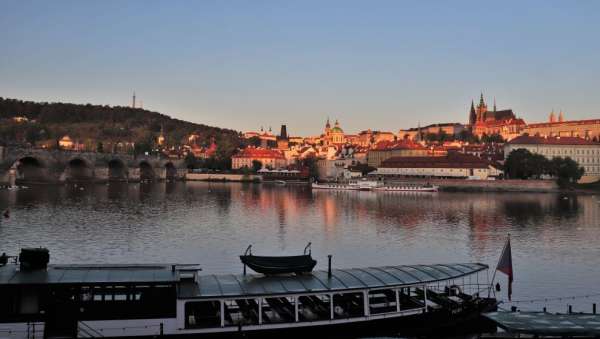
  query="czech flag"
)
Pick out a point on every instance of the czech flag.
point(505, 265)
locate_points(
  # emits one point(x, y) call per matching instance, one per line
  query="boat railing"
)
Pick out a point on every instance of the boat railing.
point(308, 249)
point(87, 331)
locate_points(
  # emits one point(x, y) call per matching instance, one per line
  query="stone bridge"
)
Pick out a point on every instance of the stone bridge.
point(32, 165)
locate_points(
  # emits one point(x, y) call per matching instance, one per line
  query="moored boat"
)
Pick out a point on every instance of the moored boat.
point(279, 264)
point(407, 188)
point(174, 300)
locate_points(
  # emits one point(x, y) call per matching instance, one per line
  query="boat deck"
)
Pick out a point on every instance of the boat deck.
point(547, 324)
point(231, 286)
point(89, 274)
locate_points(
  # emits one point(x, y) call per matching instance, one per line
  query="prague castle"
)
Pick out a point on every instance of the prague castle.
point(485, 122)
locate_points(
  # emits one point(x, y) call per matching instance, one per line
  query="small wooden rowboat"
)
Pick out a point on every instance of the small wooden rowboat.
point(279, 265)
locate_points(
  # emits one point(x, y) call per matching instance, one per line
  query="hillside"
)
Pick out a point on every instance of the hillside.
point(91, 124)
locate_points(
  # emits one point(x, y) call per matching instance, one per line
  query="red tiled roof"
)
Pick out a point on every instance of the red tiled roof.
point(568, 122)
point(251, 152)
point(404, 144)
point(454, 160)
point(538, 140)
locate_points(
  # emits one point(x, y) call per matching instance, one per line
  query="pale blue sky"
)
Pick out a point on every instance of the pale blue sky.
point(242, 64)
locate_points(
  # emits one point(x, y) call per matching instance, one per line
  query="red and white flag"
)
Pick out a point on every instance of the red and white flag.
point(505, 265)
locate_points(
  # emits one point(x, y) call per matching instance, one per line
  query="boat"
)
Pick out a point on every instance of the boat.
point(279, 265)
point(407, 188)
point(375, 185)
point(353, 185)
point(173, 300)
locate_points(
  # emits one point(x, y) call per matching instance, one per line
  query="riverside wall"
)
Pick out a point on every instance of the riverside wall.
point(486, 185)
point(222, 177)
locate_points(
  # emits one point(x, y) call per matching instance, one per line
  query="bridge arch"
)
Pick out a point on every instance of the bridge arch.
point(146, 171)
point(117, 170)
point(79, 169)
point(30, 169)
point(170, 171)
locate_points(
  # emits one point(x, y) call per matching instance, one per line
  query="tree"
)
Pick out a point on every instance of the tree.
point(492, 138)
point(522, 164)
point(256, 165)
point(190, 161)
point(100, 147)
point(566, 170)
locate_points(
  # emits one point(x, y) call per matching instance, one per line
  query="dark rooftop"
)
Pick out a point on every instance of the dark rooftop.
point(230, 285)
point(88, 274)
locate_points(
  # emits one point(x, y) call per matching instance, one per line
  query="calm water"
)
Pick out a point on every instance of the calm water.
point(555, 238)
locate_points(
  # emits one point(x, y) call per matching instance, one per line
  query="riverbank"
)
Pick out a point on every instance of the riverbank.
point(463, 185)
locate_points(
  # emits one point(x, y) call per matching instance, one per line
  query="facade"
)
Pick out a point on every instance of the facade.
point(385, 150)
point(585, 152)
point(450, 166)
point(588, 129)
point(66, 142)
point(418, 133)
point(269, 158)
point(487, 122)
point(333, 135)
point(283, 142)
point(334, 169)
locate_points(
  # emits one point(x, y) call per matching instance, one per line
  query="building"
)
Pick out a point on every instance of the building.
point(333, 135)
point(66, 142)
point(488, 122)
point(585, 152)
point(386, 149)
point(269, 158)
point(283, 141)
point(450, 166)
point(588, 129)
point(418, 133)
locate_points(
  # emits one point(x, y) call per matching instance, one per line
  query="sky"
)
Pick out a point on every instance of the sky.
point(383, 65)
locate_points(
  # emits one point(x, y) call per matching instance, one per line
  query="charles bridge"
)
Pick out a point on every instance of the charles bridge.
point(35, 165)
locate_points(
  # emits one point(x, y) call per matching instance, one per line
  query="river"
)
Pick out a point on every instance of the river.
point(555, 238)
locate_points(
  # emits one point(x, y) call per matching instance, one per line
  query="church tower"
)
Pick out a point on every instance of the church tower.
point(481, 109)
point(472, 114)
point(552, 116)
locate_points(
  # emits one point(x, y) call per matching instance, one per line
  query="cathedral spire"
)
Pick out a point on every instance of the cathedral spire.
point(481, 102)
point(494, 104)
point(472, 114)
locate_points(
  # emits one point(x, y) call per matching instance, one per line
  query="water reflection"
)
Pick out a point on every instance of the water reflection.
point(212, 223)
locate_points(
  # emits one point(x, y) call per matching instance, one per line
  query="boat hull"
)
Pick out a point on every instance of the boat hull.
point(433, 323)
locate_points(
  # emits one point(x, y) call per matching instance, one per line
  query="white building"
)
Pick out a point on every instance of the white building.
point(451, 166)
point(585, 152)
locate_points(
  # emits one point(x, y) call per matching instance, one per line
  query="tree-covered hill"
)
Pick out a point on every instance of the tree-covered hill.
point(96, 123)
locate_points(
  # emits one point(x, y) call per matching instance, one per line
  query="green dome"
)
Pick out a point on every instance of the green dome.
point(337, 129)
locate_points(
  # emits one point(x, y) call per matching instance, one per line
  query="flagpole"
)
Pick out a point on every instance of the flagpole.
point(496, 269)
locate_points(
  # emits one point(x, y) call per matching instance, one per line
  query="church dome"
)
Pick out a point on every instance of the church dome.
point(337, 130)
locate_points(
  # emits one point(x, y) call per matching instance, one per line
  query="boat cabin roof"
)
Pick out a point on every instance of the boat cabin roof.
point(230, 285)
point(89, 274)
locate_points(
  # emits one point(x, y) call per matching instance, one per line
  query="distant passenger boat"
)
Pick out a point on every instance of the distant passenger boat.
point(375, 185)
point(87, 301)
point(408, 188)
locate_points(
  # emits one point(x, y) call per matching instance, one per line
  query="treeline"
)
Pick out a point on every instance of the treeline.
point(101, 123)
point(522, 164)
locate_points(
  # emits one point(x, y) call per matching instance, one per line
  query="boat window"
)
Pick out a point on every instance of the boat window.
point(382, 301)
point(348, 305)
point(202, 314)
point(8, 302)
point(411, 298)
point(278, 310)
point(241, 312)
point(314, 308)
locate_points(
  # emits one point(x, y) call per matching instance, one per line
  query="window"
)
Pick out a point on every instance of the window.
point(203, 314)
point(382, 301)
point(348, 305)
point(314, 308)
